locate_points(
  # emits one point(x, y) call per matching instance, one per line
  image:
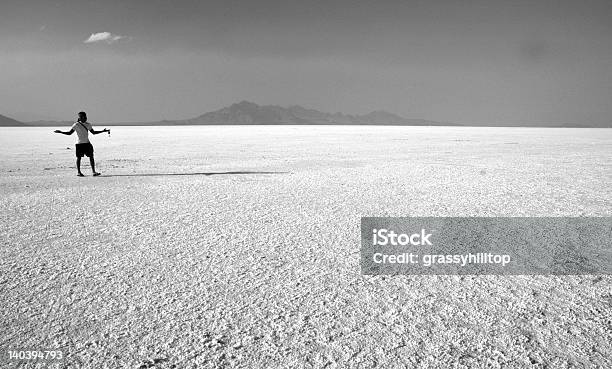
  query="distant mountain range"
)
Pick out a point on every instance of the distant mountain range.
point(9, 122)
point(248, 113)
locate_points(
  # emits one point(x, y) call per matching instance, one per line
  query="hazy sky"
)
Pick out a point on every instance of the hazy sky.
point(459, 61)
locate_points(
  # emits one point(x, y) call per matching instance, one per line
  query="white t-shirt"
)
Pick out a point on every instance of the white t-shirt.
point(82, 133)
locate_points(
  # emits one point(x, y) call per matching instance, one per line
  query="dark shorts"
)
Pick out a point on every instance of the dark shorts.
point(84, 149)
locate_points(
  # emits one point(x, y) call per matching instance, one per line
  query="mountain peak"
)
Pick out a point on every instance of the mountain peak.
point(8, 122)
point(383, 116)
point(245, 104)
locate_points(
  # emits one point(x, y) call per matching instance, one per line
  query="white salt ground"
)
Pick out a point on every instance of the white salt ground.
point(251, 257)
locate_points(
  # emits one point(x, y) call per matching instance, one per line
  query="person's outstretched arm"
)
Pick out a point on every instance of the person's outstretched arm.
point(64, 133)
point(94, 132)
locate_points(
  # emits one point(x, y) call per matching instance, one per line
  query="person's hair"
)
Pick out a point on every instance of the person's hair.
point(83, 114)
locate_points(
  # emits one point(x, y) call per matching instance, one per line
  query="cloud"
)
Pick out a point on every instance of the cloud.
point(107, 37)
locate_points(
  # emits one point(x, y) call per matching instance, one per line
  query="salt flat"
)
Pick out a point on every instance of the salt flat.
point(239, 246)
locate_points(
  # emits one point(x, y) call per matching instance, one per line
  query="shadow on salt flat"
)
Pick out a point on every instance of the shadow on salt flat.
point(190, 174)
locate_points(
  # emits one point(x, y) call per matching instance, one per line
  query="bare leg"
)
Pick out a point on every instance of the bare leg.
point(79, 167)
point(93, 166)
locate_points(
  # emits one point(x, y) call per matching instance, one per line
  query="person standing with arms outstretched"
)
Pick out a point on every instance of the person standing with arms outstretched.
point(83, 146)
